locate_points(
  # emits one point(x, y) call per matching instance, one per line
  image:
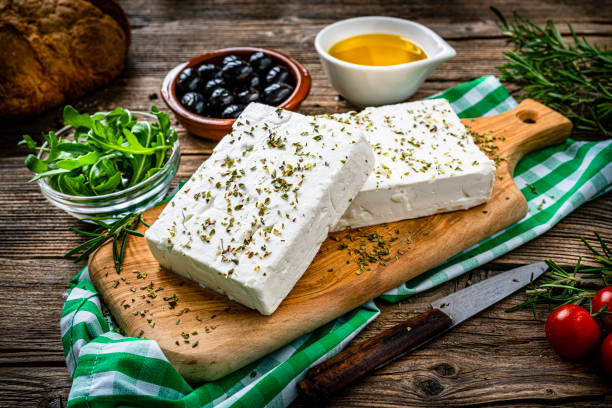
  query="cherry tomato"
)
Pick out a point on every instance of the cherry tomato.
point(606, 354)
point(600, 299)
point(572, 332)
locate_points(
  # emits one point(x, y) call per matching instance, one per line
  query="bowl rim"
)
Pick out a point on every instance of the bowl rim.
point(44, 185)
point(168, 89)
point(446, 53)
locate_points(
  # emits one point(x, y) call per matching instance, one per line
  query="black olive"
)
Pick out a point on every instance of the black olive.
point(254, 82)
point(220, 98)
point(277, 74)
point(232, 111)
point(212, 85)
point(188, 80)
point(260, 62)
point(247, 96)
point(186, 75)
point(207, 71)
point(236, 71)
point(276, 93)
point(194, 102)
point(230, 58)
point(196, 85)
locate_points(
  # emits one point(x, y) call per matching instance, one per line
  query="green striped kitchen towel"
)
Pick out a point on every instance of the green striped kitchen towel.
point(109, 369)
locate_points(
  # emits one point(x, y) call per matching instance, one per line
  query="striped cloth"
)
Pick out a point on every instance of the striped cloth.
point(109, 369)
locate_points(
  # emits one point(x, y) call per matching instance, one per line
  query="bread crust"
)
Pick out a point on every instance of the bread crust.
point(54, 50)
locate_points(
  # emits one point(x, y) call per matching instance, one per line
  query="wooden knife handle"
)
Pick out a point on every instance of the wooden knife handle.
point(328, 377)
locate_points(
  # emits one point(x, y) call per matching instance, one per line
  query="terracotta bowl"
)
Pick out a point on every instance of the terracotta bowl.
point(216, 128)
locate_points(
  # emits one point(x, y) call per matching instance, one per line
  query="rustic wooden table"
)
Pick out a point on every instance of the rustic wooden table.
point(493, 359)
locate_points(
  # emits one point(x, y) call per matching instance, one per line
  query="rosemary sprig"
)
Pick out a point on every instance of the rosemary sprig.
point(574, 79)
point(117, 231)
point(560, 287)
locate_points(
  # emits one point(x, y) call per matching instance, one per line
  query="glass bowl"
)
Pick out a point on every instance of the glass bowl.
point(137, 198)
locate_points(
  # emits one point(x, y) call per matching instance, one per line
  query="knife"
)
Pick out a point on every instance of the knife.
point(328, 377)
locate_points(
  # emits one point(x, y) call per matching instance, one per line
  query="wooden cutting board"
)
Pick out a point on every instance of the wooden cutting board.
point(230, 336)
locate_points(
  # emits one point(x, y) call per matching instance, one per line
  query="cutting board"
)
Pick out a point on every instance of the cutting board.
point(230, 336)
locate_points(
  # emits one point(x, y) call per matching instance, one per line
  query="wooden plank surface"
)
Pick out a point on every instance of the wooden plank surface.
point(494, 359)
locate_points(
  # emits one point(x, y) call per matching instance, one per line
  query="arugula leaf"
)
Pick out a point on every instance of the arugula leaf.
point(109, 185)
point(126, 120)
point(52, 140)
point(75, 148)
point(132, 140)
point(164, 120)
point(74, 185)
point(130, 149)
point(142, 131)
point(72, 118)
point(29, 142)
point(48, 174)
point(89, 158)
point(35, 165)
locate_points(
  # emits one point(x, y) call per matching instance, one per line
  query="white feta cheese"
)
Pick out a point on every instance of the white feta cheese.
point(426, 163)
point(250, 220)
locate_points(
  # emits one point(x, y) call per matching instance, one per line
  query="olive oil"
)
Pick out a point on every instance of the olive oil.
point(377, 50)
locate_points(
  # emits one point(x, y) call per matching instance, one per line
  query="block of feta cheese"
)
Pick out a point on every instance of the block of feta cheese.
point(251, 218)
point(426, 162)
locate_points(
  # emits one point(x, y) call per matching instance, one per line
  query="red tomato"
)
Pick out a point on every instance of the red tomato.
point(606, 354)
point(600, 299)
point(572, 332)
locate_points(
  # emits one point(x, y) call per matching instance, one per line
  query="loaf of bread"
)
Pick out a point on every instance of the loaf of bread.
point(54, 50)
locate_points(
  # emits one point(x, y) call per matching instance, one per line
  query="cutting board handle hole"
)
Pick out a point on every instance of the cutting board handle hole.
point(528, 116)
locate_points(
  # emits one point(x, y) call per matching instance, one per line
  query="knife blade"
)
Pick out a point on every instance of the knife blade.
point(324, 379)
point(467, 302)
